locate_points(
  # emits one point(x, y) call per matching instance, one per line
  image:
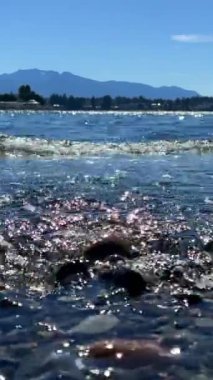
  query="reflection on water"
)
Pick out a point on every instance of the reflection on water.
point(52, 209)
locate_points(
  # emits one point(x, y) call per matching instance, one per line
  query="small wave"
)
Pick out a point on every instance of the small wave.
point(26, 146)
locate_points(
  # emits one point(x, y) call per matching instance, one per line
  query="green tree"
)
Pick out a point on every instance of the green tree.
point(24, 92)
point(93, 103)
point(37, 97)
point(106, 103)
point(7, 97)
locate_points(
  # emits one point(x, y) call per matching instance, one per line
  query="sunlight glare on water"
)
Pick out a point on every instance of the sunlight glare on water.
point(70, 179)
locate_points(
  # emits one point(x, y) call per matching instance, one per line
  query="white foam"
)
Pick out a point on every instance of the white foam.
point(25, 146)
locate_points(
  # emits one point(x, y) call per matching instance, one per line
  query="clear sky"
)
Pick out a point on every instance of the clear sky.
point(158, 42)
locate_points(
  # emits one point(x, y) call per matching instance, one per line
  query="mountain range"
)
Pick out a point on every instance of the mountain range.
point(48, 82)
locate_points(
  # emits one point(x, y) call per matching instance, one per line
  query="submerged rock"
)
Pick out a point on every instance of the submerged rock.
point(96, 324)
point(131, 353)
point(68, 271)
point(108, 247)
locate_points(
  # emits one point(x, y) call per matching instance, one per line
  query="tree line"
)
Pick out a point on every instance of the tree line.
point(25, 94)
point(65, 102)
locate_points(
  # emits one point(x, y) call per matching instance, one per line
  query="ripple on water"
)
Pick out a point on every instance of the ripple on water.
point(53, 210)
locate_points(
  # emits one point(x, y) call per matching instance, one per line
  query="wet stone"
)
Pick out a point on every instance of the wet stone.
point(165, 274)
point(113, 259)
point(189, 298)
point(2, 255)
point(131, 280)
point(4, 247)
point(108, 247)
point(2, 286)
point(164, 244)
point(178, 272)
point(205, 282)
point(68, 271)
point(129, 353)
point(209, 246)
point(102, 300)
point(173, 274)
point(6, 303)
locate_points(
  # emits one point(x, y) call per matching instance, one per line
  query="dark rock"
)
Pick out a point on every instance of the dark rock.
point(106, 273)
point(69, 270)
point(132, 281)
point(165, 275)
point(7, 303)
point(107, 247)
point(4, 247)
point(129, 353)
point(173, 274)
point(177, 275)
point(102, 300)
point(208, 247)
point(2, 255)
point(113, 259)
point(178, 272)
point(189, 298)
point(164, 244)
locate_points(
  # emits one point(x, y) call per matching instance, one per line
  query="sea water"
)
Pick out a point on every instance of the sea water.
point(64, 178)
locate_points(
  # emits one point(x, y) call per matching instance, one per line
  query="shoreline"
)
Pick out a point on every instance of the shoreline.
point(25, 106)
point(101, 112)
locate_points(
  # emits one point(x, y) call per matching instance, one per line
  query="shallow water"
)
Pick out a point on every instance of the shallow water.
point(68, 179)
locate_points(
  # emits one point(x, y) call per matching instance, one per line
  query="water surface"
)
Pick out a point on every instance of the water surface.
point(68, 179)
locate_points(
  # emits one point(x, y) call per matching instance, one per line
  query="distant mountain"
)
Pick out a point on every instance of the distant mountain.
point(48, 82)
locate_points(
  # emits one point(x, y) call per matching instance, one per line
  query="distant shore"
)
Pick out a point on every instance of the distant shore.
point(15, 106)
point(22, 106)
point(25, 106)
point(27, 99)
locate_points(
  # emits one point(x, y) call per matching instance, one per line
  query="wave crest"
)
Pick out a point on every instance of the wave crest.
point(28, 146)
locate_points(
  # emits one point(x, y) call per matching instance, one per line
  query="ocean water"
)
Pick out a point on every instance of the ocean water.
point(68, 179)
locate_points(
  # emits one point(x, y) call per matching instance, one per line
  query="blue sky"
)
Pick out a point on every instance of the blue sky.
point(158, 42)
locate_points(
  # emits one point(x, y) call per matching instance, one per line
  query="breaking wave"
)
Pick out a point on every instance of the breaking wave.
point(28, 146)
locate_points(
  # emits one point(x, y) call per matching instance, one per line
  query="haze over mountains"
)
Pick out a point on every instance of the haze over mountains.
point(48, 82)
